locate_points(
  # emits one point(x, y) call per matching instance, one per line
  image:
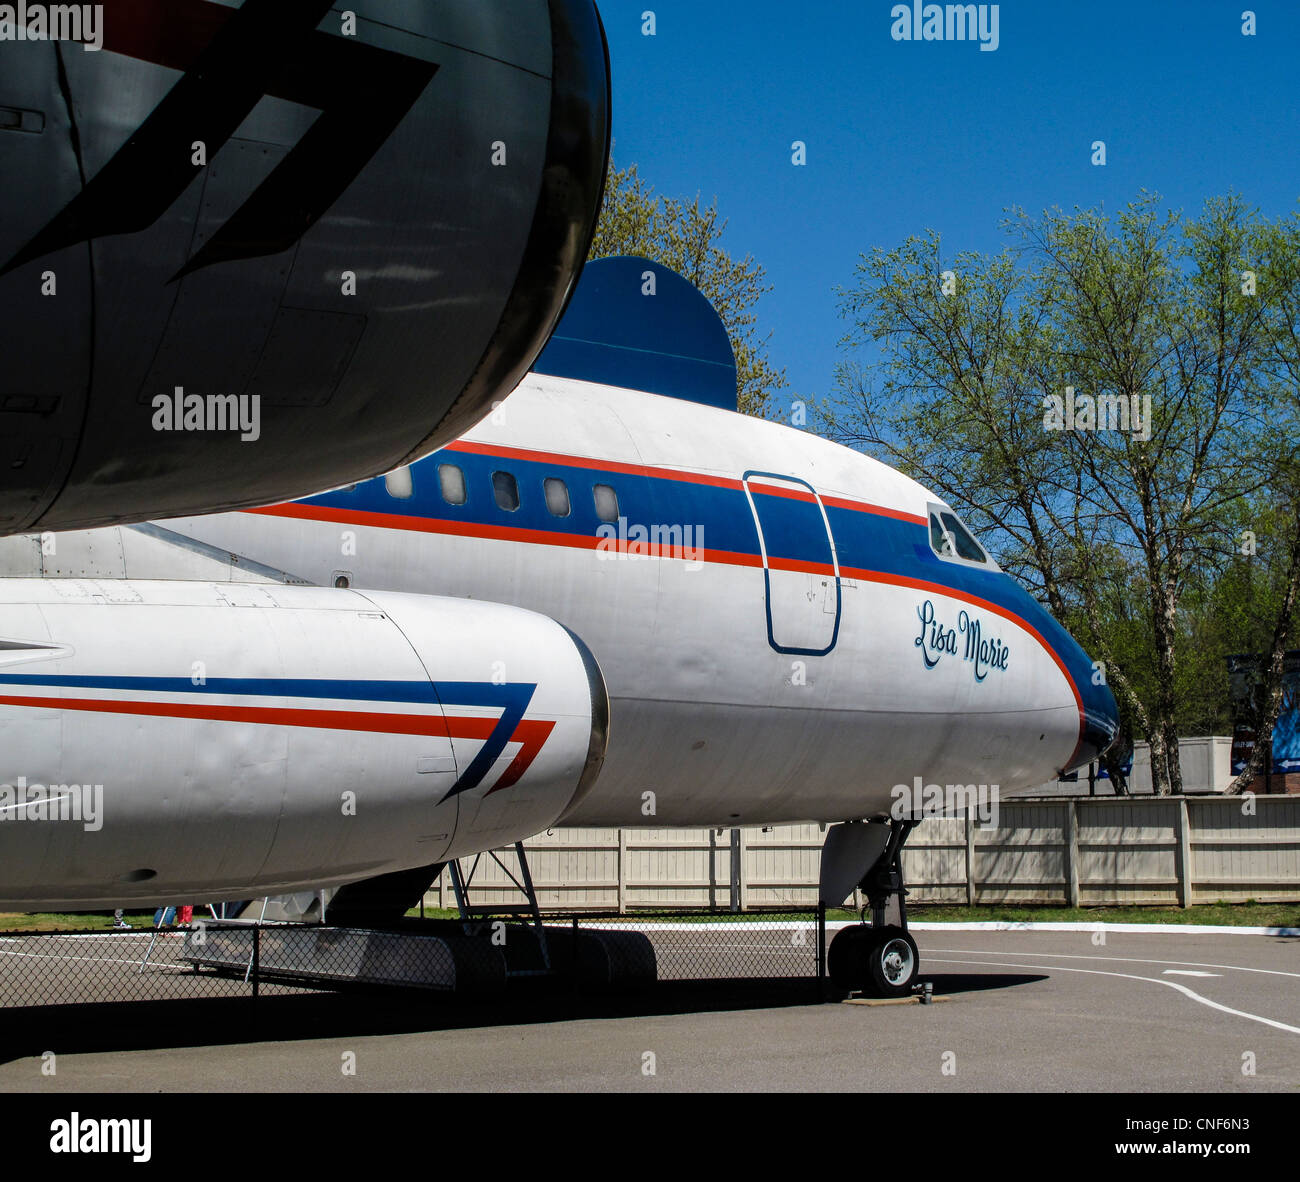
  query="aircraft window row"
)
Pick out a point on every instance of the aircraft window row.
point(505, 491)
point(451, 480)
point(399, 484)
point(606, 502)
point(557, 496)
point(950, 539)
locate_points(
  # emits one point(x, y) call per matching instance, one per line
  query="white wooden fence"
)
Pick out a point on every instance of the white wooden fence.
point(1174, 851)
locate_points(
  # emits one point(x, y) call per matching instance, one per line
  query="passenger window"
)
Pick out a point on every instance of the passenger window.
point(606, 502)
point(399, 484)
point(506, 491)
point(557, 496)
point(452, 481)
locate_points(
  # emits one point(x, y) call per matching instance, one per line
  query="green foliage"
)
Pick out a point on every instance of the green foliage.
point(1132, 536)
point(635, 220)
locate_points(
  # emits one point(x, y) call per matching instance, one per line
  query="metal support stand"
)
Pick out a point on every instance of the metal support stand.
point(148, 952)
point(253, 955)
point(471, 915)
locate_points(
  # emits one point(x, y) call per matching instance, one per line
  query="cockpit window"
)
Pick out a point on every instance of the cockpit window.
point(940, 541)
point(950, 539)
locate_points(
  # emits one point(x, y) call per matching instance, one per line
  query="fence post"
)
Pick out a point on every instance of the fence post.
point(734, 868)
point(257, 957)
point(1072, 853)
point(821, 949)
point(622, 871)
point(744, 871)
point(1184, 854)
point(970, 860)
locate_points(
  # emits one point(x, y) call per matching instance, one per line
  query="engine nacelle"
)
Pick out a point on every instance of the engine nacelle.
point(243, 226)
point(189, 742)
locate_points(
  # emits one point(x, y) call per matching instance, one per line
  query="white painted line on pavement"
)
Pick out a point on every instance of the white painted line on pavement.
point(1214, 1005)
point(1191, 929)
point(1193, 964)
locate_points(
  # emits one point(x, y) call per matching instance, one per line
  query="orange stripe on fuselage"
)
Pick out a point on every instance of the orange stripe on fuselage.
point(334, 720)
point(510, 533)
point(680, 474)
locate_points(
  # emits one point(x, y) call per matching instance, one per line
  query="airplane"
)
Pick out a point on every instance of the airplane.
point(614, 602)
point(278, 218)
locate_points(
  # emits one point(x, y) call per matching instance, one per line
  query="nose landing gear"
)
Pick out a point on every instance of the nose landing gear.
point(879, 959)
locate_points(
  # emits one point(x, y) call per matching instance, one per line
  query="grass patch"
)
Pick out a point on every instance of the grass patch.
point(636, 916)
point(1264, 915)
point(49, 921)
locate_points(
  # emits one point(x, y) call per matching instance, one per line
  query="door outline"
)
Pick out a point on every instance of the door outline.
point(767, 574)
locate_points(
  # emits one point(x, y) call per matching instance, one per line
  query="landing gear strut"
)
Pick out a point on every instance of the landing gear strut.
point(879, 959)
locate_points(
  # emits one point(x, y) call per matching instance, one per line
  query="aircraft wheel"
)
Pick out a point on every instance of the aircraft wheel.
point(892, 963)
point(846, 958)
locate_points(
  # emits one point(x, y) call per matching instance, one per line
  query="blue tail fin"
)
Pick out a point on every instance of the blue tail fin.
point(636, 324)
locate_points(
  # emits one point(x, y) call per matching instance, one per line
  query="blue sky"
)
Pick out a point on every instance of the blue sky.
point(907, 136)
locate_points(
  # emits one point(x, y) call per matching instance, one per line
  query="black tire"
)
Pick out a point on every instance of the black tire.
point(846, 958)
point(892, 962)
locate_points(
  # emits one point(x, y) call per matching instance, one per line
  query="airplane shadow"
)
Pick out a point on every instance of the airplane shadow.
point(224, 1021)
point(952, 984)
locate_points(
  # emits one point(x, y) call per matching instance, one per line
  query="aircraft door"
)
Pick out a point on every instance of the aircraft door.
point(800, 566)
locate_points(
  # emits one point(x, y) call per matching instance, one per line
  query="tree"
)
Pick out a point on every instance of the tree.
point(1278, 283)
point(634, 220)
point(1099, 399)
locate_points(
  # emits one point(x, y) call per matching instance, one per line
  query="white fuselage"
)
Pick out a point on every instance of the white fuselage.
point(780, 650)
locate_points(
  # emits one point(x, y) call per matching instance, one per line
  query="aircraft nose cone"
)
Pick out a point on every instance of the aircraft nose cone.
point(1100, 725)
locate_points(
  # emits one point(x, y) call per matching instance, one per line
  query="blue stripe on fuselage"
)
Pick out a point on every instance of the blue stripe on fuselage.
point(511, 698)
point(864, 540)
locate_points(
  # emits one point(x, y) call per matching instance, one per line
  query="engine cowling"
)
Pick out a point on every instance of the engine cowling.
point(242, 227)
point(194, 742)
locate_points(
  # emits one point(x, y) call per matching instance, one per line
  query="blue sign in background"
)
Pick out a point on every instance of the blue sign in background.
point(1286, 733)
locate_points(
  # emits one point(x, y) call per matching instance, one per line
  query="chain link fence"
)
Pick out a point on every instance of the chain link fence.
point(476, 958)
